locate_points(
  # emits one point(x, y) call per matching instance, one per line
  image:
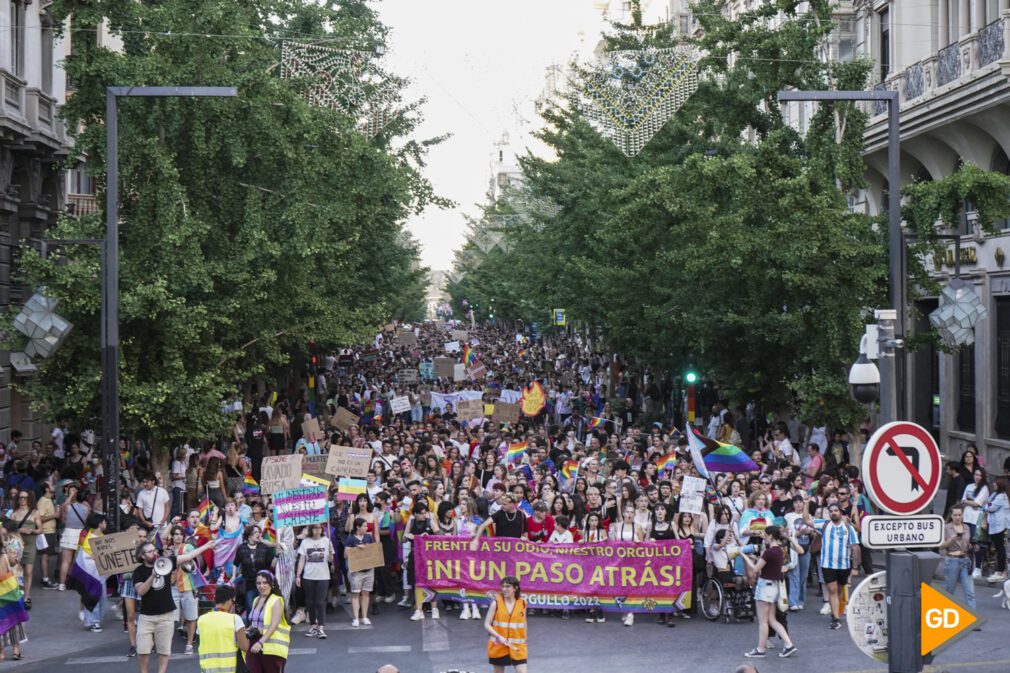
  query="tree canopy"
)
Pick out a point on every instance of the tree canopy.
point(249, 225)
point(727, 242)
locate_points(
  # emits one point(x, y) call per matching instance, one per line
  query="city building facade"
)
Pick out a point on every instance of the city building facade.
point(34, 146)
point(949, 61)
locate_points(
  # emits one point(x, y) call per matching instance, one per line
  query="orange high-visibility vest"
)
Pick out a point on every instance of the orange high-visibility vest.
point(512, 627)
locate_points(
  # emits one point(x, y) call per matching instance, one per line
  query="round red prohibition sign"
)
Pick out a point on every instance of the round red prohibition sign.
point(911, 477)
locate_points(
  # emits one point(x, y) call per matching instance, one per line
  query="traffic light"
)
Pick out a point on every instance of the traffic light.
point(690, 377)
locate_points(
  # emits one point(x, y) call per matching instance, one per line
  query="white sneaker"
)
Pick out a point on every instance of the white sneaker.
point(299, 617)
point(62, 587)
point(434, 612)
point(416, 617)
point(465, 612)
point(366, 621)
point(404, 602)
point(390, 598)
point(311, 633)
point(474, 611)
point(976, 573)
point(826, 609)
point(355, 623)
point(629, 619)
point(794, 608)
point(996, 577)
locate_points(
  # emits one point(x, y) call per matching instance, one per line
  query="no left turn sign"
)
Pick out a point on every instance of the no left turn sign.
point(901, 467)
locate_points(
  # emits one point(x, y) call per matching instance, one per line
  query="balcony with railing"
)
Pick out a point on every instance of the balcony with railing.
point(82, 204)
point(12, 96)
point(972, 57)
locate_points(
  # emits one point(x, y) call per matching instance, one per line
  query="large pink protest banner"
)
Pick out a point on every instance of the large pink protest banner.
point(616, 576)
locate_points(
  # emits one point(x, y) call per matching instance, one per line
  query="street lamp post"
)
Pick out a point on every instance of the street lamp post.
point(110, 276)
point(902, 591)
point(891, 402)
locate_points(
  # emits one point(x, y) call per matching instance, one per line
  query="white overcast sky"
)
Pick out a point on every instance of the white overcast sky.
point(472, 60)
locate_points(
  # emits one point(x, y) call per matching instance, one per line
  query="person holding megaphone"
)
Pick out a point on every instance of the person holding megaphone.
point(153, 581)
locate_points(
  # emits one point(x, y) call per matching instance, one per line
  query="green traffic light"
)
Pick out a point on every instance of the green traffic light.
point(690, 377)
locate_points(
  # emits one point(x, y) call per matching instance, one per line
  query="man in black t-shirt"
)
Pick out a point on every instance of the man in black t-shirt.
point(508, 521)
point(157, 608)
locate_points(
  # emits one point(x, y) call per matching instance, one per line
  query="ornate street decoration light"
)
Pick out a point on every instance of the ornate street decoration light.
point(959, 311)
point(44, 328)
point(631, 94)
point(343, 80)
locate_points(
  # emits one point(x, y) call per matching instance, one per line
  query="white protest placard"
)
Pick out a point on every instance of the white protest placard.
point(692, 495)
point(280, 473)
point(399, 405)
point(349, 461)
point(458, 335)
point(408, 376)
point(406, 337)
point(459, 372)
point(451, 346)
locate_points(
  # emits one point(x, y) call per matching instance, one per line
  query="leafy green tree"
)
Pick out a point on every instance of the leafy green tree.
point(727, 241)
point(249, 225)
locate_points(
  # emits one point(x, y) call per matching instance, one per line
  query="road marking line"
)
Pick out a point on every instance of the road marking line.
point(435, 636)
point(378, 649)
point(934, 668)
point(295, 651)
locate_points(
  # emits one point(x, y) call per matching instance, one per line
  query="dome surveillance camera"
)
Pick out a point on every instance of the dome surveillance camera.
point(864, 379)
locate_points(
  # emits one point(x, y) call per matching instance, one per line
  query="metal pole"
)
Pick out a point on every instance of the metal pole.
point(896, 255)
point(891, 397)
point(110, 278)
point(110, 314)
point(901, 593)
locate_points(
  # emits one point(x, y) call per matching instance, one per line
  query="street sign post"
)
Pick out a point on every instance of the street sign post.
point(902, 532)
point(902, 468)
point(901, 471)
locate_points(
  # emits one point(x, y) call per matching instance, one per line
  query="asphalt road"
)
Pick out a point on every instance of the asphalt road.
point(57, 641)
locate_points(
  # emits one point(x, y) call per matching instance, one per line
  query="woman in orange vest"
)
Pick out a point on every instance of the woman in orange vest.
point(506, 623)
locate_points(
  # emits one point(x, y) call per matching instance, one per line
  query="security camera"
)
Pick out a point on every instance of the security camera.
point(864, 379)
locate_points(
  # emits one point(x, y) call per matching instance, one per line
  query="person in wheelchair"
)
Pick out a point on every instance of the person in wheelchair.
point(722, 554)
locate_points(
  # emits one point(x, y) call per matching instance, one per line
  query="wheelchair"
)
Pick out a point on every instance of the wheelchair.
point(722, 599)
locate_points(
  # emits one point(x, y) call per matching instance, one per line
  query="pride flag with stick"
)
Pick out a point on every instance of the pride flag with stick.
point(710, 455)
point(12, 604)
point(569, 470)
point(250, 485)
point(596, 422)
point(469, 357)
point(515, 452)
point(204, 509)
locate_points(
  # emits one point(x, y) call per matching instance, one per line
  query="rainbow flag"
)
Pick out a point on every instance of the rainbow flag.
point(250, 486)
point(570, 470)
point(269, 534)
point(667, 462)
point(349, 488)
point(521, 353)
point(596, 422)
point(12, 603)
point(204, 509)
point(515, 452)
point(716, 456)
point(469, 357)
